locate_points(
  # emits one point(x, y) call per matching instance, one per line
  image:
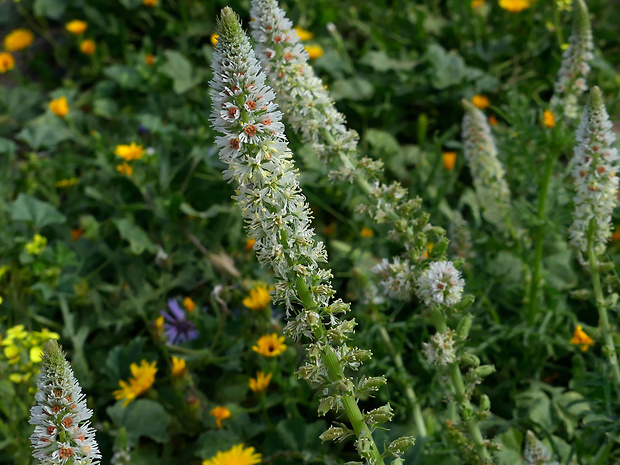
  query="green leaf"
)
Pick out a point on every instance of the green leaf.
point(126, 76)
point(210, 442)
point(511, 442)
point(180, 70)
point(447, 68)
point(105, 108)
point(142, 417)
point(138, 239)
point(47, 131)
point(131, 4)
point(35, 211)
point(352, 89)
point(52, 9)
point(7, 146)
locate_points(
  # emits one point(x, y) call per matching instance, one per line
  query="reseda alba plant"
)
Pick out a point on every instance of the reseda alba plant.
point(255, 148)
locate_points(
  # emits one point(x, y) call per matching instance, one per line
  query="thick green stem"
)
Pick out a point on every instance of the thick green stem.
point(539, 236)
point(466, 409)
point(336, 373)
point(610, 347)
point(404, 375)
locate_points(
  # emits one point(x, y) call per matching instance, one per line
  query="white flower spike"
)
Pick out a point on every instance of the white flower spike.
point(62, 433)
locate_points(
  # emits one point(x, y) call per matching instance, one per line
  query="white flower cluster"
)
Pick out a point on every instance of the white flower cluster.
point(255, 148)
point(440, 351)
point(486, 170)
point(535, 452)
point(62, 433)
point(301, 94)
point(441, 284)
point(396, 278)
point(595, 164)
point(571, 80)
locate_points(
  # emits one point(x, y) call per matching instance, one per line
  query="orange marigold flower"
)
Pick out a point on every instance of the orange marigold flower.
point(492, 120)
point(249, 244)
point(125, 169)
point(580, 338)
point(189, 304)
point(59, 107)
point(7, 62)
point(76, 27)
point(18, 39)
point(548, 119)
point(149, 2)
point(149, 59)
point(480, 101)
point(475, 4)
point(449, 159)
point(220, 413)
point(314, 51)
point(367, 233)
point(515, 6)
point(76, 234)
point(615, 237)
point(88, 47)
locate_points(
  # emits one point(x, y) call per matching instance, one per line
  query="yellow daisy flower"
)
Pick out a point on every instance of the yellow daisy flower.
point(124, 169)
point(270, 345)
point(258, 298)
point(514, 6)
point(179, 368)
point(130, 152)
point(548, 119)
point(261, 382)
point(142, 379)
point(582, 339)
point(303, 34)
point(238, 455)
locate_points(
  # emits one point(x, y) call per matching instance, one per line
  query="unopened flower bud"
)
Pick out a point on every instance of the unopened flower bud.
point(380, 415)
point(334, 432)
point(485, 403)
point(400, 445)
point(483, 371)
point(462, 330)
point(468, 360)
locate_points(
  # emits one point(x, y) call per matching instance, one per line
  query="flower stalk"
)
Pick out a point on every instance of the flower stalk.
point(255, 148)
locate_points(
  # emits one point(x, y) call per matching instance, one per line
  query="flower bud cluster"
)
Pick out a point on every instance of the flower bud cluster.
point(595, 164)
point(440, 351)
point(571, 80)
point(441, 284)
point(62, 432)
point(486, 170)
point(396, 278)
point(535, 452)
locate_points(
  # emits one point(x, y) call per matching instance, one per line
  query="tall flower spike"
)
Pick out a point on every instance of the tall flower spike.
point(300, 93)
point(595, 164)
point(486, 170)
point(62, 433)
point(255, 148)
point(571, 80)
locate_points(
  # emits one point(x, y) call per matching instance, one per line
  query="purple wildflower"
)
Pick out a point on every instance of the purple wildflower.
point(178, 329)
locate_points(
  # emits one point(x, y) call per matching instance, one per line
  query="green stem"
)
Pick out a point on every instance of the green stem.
point(334, 369)
point(610, 347)
point(404, 375)
point(456, 378)
point(540, 228)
